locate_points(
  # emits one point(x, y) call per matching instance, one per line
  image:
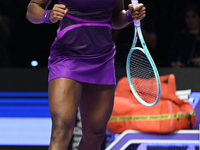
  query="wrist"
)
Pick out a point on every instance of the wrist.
point(45, 17)
point(128, 17)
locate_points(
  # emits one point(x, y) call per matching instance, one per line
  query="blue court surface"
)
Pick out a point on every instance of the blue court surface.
point(25, 121)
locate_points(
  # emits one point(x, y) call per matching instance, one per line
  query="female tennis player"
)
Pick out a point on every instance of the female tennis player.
point(81, 65)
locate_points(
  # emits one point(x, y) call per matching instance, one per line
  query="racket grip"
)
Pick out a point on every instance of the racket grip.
point(136, 22)
point(134, 2)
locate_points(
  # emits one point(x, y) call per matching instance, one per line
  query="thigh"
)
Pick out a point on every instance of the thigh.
point(96, 107)
point(64, 96)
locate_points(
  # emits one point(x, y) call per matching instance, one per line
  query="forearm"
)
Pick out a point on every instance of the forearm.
point(35, 12)
point(118, 16)
point(119, 21)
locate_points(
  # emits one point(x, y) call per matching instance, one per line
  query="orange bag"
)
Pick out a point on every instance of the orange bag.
point(170, 114)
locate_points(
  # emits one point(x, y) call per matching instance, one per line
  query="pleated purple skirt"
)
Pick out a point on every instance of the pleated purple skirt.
point(94, 70)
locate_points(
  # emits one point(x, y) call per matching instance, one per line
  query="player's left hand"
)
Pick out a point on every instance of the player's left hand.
point(138, 12)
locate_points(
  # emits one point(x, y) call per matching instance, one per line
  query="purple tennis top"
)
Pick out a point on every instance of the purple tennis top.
point(83, 49)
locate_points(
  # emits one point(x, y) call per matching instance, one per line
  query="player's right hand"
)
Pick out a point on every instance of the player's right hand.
point(58, 12)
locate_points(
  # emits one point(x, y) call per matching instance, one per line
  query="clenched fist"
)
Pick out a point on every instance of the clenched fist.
point(58, 12)
point(138, 12)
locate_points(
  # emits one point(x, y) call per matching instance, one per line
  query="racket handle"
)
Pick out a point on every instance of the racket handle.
point(136, 22)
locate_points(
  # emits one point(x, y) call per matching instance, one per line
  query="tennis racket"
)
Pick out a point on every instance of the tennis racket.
point(141, 70)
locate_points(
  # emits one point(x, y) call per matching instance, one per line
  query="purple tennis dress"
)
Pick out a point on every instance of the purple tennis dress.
point(83, 49)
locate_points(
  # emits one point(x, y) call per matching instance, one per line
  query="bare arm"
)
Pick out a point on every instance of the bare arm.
point(36, 8)
point(118, 18)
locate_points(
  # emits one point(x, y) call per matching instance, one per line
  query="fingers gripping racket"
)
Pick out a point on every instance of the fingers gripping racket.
point(141, 70)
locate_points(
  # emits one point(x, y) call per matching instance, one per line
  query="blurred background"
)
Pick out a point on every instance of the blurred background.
point(22, 42)
point(24, 46)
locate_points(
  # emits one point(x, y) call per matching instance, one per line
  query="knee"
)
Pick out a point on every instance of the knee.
point(61, 130)
point(95, 133)
point(100, 134)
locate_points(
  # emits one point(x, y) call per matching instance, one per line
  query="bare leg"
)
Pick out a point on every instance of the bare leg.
point(96, 107)
point(64, 96)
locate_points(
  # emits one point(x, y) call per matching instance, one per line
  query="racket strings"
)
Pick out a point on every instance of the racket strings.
point(143, 77)
point(140, 59)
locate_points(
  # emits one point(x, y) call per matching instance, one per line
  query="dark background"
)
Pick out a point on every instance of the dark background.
point(29, 42)
point(32, 42)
